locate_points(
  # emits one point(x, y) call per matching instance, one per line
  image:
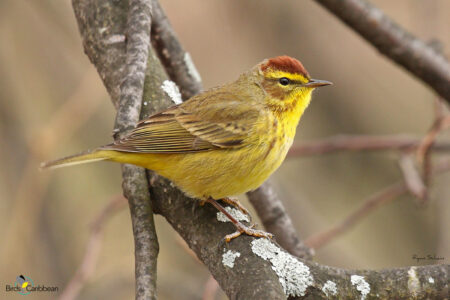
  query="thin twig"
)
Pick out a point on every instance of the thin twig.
point(419, 58)
point(376, 200)
point(440, 108)
point(412, 177)
point(425, 147)
point(423, 152)
point(92, 251)
point(382, 197)
point(426, 144)
point(362, 143)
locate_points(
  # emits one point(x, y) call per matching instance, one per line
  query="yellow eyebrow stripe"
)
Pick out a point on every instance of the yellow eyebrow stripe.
point(292, 76)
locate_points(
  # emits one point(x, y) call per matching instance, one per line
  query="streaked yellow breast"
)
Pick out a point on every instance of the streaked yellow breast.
point(223, 173)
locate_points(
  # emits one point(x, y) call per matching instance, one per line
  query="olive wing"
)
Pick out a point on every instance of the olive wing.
point(160, 133)
point(191, 127)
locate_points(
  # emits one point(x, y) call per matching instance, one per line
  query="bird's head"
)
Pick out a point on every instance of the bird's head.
point(287, 84)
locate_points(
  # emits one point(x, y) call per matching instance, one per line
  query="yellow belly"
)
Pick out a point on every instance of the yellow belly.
point(216, 173)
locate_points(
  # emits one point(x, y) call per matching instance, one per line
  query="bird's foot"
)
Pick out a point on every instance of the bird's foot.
point(241, 228)
point(248, 230)
point(235, 203)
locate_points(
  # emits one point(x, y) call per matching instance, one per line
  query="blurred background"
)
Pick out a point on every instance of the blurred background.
point(53, 103)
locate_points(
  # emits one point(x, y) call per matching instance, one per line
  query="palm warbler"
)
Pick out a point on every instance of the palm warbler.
point(223, 142)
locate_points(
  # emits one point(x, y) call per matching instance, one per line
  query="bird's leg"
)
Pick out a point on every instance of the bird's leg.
point(241, 228)
point(236, 204)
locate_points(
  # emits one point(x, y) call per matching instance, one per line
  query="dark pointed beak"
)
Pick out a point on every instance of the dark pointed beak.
point(313, 83)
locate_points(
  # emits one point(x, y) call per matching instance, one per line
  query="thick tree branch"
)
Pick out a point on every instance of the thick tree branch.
point(128, 99)
point(246, 268)
point(104, 39)
point(204, 234)
point(422, 60)
point(176, 61)
point(199, 227)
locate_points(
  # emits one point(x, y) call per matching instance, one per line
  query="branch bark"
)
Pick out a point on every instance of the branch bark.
point(263, 270)
point(128, 99)
point(177, 62)
point(253, 277)
point(403, 48)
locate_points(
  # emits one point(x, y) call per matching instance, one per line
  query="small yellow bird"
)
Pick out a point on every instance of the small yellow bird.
point(223, 142)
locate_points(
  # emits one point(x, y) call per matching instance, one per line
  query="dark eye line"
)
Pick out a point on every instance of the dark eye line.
point(297, 82)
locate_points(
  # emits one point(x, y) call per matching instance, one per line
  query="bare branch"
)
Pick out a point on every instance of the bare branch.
point(251, 275)
point(424, 149)
point(422, 60)
point(411, 176)
point(132, 85)
point(135, 185)
point(373, 202)
point(126, 87)
point(177, 62)
point(361, 143)
point(429, 139)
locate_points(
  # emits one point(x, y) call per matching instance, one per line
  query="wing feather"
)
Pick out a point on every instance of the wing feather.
point(198, 124)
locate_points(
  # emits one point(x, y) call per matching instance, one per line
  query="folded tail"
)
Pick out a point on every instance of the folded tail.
point(81, 158)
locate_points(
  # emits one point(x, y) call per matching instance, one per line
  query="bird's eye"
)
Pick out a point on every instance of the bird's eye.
point(284, 81)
